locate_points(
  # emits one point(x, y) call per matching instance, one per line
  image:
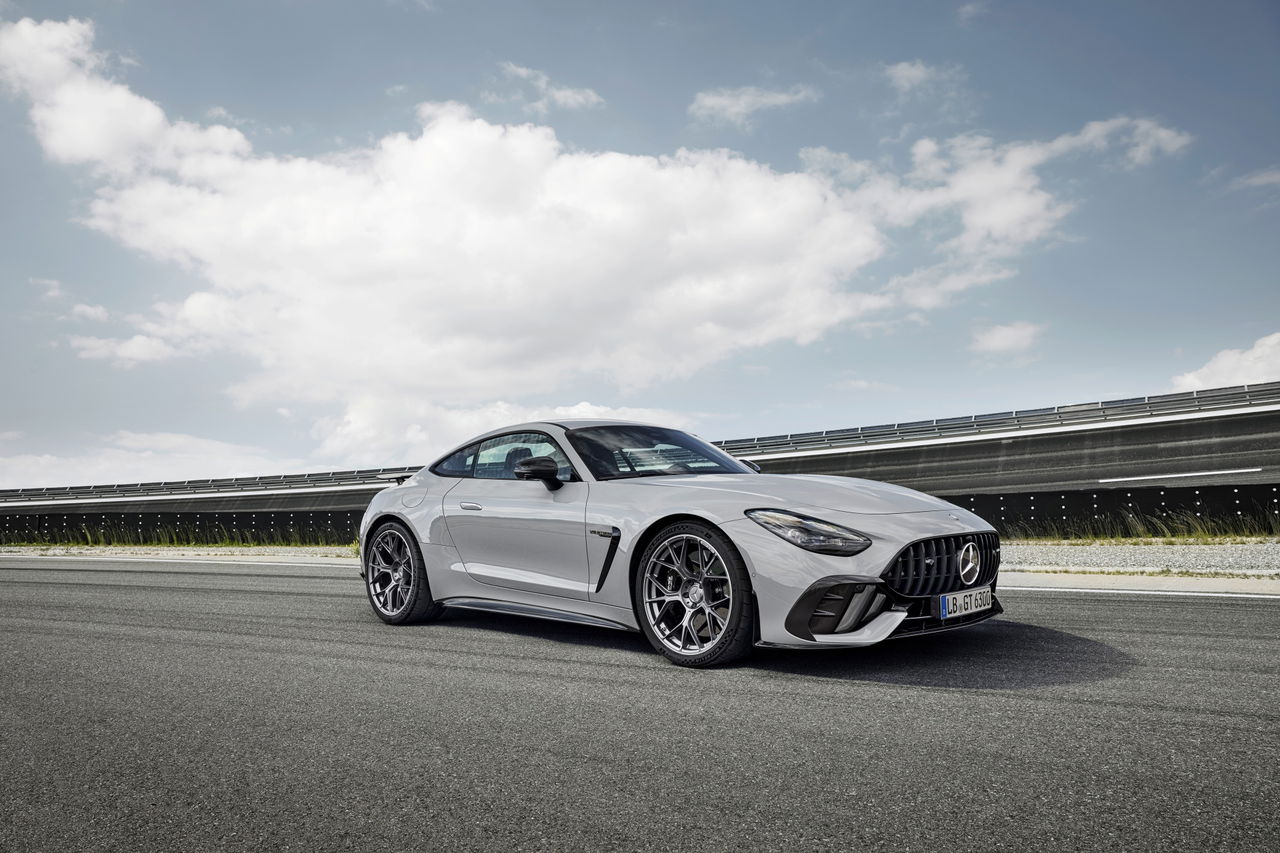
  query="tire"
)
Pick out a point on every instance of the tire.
point(688, 568)
point(395, 577)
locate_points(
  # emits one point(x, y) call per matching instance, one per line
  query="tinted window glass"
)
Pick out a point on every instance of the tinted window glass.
point(615, 452)
point(458, 464)
point(498, 456)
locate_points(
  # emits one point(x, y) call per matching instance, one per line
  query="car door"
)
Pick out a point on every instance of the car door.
point(518, 533)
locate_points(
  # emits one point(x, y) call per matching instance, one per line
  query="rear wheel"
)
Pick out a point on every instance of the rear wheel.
point(693, 596)
point(395, 577)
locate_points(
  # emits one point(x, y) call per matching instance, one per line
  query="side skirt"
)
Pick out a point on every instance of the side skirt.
point(535, 612)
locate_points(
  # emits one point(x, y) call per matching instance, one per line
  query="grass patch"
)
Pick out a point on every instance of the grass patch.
point(1177, 527)
point(1163, 540)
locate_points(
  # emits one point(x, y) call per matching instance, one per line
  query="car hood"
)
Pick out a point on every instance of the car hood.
point(781, 491)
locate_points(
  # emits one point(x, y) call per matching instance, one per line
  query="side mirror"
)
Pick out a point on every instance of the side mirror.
point(753, 466)
point(542, 468)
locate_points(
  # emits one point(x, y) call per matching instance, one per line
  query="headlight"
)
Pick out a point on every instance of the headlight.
point(811, 534)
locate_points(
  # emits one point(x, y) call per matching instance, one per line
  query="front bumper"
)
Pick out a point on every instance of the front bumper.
point(848, 612)
point(791, 583)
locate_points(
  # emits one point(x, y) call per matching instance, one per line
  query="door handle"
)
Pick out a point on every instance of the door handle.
point(470, 505)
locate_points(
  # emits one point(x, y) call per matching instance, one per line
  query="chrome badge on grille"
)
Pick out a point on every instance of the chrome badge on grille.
point(970, 563)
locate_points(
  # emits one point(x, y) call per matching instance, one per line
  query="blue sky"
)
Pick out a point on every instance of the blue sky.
point(297, 235)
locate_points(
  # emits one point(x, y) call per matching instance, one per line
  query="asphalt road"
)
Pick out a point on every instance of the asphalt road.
point(163, 706)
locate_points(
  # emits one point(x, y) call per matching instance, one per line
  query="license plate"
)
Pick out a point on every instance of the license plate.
point(963, 603)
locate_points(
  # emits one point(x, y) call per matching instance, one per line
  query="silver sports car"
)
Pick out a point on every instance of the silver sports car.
point(638, 527)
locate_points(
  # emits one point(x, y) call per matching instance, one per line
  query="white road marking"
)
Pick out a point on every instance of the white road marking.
point(352, 565)
point(1137, 591)
point(1171, 476)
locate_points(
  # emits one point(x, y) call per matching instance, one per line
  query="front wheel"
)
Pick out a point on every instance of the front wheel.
point(693, 596)
point(395, 577)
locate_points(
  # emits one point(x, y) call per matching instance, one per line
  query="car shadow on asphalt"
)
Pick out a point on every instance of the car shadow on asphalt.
point(1000, 654)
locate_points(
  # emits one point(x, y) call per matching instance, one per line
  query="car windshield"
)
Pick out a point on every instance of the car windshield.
point(617, 452)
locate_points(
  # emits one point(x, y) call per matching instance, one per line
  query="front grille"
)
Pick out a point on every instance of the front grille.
point(932, 567)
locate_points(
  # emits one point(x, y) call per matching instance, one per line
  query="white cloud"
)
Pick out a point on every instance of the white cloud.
point(380, 431)
point(1150, 139)
point(737, 106)
point(52, 287)
point(858, 384)
point(1261, 179)
point(548, 95)
point(916, 78)
point(1010, 338)
point(126, 352)
point(1259, 363)
point(968, 12)
point(131, 457)
point(410, 286)
point(90, 312)
point(11, 435)
point(396, 91)
point(219, 113)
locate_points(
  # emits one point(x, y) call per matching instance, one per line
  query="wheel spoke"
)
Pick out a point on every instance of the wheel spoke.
point(692, 631)
point(666, 590)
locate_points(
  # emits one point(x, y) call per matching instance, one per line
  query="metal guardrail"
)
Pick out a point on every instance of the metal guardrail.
point(1241, 396)
point(371, 477)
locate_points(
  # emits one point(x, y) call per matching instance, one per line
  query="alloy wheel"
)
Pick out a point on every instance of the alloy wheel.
point(390, 573)
point(687, 594)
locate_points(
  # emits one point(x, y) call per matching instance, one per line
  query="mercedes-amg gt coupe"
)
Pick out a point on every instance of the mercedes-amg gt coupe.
point(638, 527)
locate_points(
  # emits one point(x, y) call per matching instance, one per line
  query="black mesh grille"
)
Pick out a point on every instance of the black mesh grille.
point(932, 567)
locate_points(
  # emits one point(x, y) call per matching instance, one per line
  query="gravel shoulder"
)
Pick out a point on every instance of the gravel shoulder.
point(1260, 559)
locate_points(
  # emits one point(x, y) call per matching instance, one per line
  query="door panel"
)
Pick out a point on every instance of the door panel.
point(523, 535)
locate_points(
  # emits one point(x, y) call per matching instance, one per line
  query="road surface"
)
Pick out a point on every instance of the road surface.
point(171, 705)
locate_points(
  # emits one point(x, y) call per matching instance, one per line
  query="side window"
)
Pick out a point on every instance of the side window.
point(459, 464)
point(498, 456)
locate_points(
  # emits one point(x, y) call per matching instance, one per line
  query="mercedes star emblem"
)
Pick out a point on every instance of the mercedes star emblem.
point(970, 563)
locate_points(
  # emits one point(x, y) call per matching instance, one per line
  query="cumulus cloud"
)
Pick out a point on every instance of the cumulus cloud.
point(132, 457)
point(126, 352)
point(968, 12)
point(1259, 363)
point(407, 285)
point(737, 106)
point(995, 191)
point(1260, 180)
point(90, 312)
point(916, 78)
point(1150, 139)
point(548, 95)
point(1015, 337)
point(52, 287)
point(383, 431)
